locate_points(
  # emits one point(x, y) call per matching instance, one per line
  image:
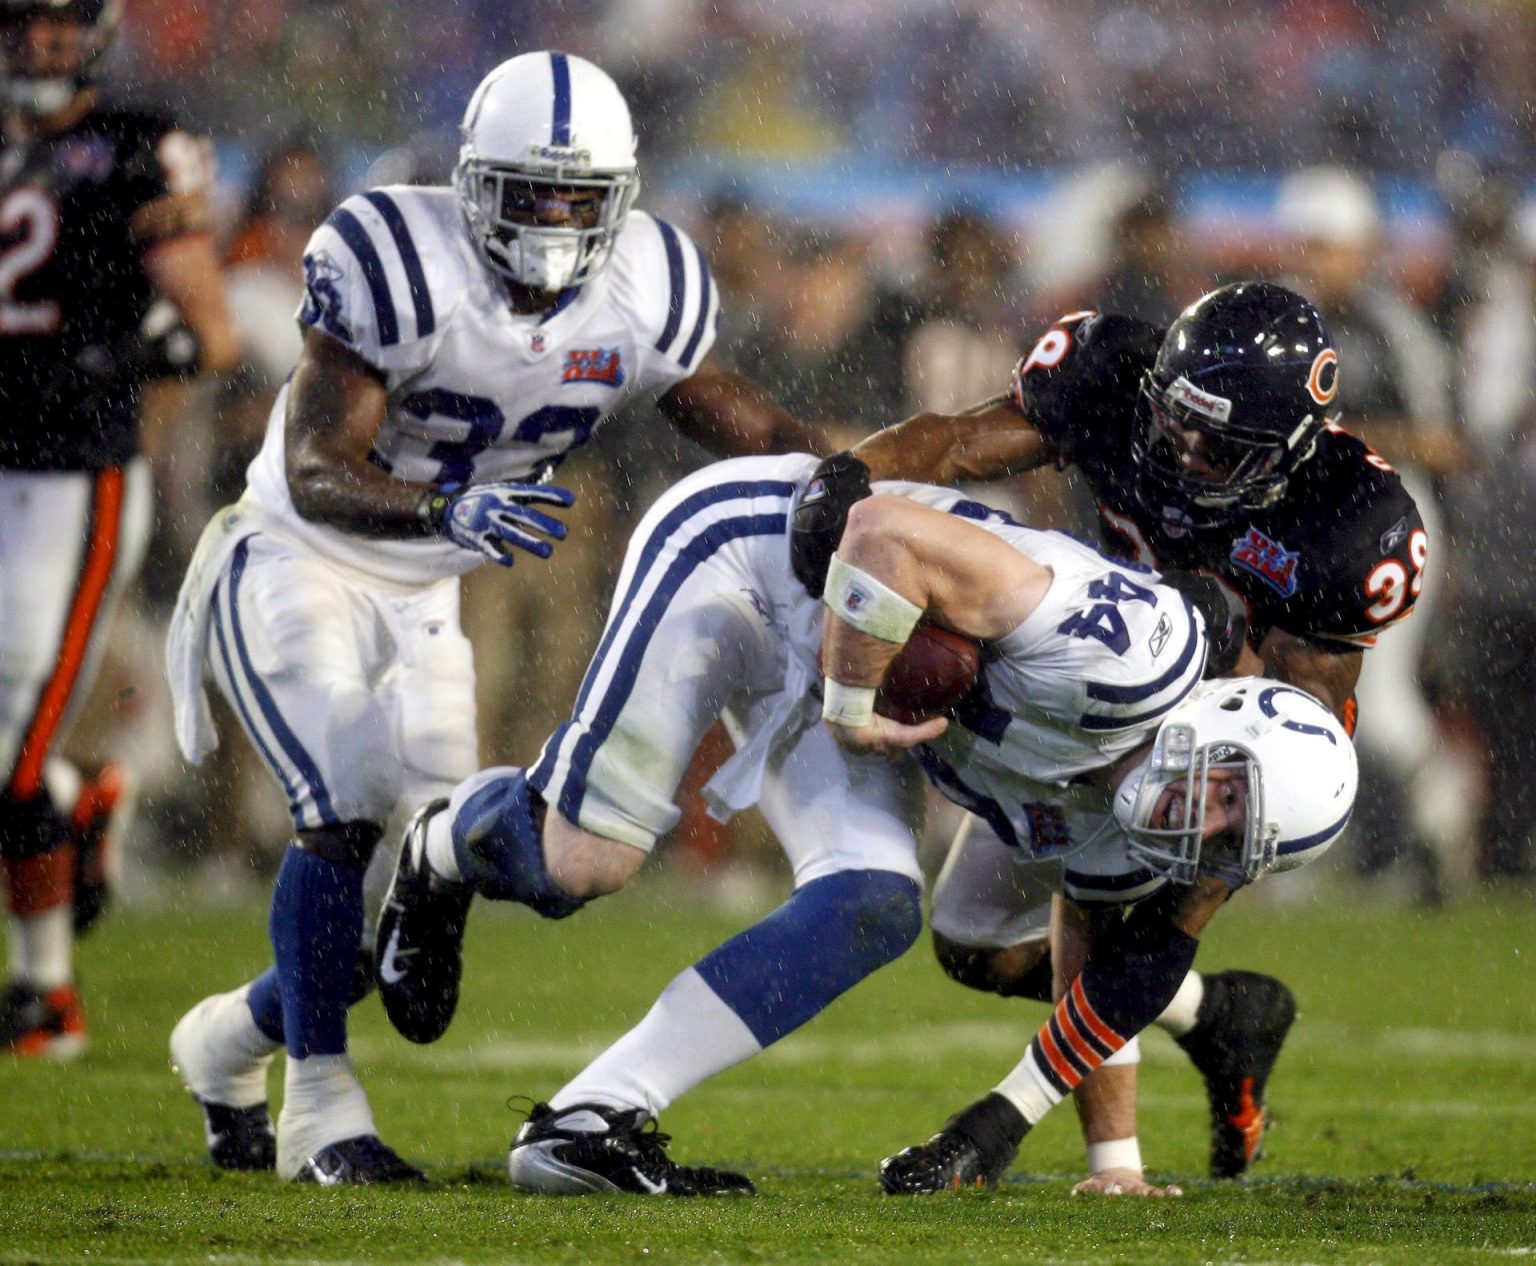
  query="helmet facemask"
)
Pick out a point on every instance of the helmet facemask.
point(1250, 467)
point(41, 93)
point(501, 204)
point(1171, 842)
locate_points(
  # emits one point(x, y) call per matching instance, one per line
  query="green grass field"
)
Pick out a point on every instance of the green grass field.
point(1406, 1099)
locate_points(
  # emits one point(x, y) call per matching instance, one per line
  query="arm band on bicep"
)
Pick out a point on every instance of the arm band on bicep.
point(869, 605)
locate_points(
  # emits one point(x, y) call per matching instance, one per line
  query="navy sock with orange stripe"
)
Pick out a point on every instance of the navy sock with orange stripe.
point(1131, 976)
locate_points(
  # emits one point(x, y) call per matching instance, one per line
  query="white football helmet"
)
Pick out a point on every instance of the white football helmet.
point(1301, 780)
point(538, 121)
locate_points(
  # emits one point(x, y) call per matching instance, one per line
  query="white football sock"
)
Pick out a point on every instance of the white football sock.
point(440, 859)
point(42, 947)
point(323, 1103)
point(220, 1053)
point(1027, 1090)
point(1179, 1017)
point(688, 1036)
point(63, 782)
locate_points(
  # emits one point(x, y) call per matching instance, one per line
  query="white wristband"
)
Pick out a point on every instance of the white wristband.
point(849, 706)
point(1114, 1154)
point(869, 605)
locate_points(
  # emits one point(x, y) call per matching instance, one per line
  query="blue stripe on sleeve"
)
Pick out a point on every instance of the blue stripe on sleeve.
point(361, 245)
point(560, 127)
point(675, 268)
point(1135, 694)
point(415, 275)
point(1101, 724)
point(706, 291)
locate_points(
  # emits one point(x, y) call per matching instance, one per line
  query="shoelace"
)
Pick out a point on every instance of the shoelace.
point(651, 1143)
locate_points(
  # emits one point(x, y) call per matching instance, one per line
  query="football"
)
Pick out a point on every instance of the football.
point(935, 670)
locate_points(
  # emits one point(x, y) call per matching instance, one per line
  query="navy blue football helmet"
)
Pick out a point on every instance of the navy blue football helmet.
point(1234, 403)
point(41, 84)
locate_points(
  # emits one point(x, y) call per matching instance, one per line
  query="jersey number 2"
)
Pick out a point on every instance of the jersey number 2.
point(36, 215)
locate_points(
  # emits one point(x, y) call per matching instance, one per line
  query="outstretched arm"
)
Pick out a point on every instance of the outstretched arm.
point(1134, 967)
point(185, 270)
point(986, 441)
point(732, 416)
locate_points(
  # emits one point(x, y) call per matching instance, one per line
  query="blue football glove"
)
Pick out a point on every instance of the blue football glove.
point(494, 519)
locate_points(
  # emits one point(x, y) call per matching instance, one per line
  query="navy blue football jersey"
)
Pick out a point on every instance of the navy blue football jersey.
point(1339, 557)
point(77, 210)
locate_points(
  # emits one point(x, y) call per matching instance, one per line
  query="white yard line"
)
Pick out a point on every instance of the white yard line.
point(989, 1041)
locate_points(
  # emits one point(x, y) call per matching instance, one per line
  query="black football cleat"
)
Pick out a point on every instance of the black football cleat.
point(39, 1024)
point(1239, 1030)
point(357, 1162)
point(419, 947)
point(588, 1149)
point(974, 1149)
point(239, 1138)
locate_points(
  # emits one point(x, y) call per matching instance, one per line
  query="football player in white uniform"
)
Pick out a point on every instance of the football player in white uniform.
point(1086, 658)
point(458, 342)
point(1244, 776)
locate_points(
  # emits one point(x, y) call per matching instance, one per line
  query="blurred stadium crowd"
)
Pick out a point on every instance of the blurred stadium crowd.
point(991, 166)
point(1382, 84)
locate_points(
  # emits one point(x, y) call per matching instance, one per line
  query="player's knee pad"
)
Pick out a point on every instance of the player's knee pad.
point(881, 910)
point(498, 841)
point(1014, 971)
point(855, 921)
point(30, 827)
point(347, 843)
point(831, 934)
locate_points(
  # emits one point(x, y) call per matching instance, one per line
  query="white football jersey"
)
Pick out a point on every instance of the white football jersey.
point(476, 392)
point(1087, 678)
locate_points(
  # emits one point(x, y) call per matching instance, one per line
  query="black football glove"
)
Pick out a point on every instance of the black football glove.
point(166, 346)
point(838, 482)
point(1226, 622)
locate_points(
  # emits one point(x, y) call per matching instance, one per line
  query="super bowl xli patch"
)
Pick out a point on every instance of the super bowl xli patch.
point(593, 364)
point(1269, 560)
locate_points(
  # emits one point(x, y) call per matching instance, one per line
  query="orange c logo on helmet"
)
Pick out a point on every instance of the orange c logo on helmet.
point(1323, 381)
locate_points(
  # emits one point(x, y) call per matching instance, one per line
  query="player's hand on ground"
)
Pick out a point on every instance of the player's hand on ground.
point(497, 519)
point(1123, 1182)
point(886, 736)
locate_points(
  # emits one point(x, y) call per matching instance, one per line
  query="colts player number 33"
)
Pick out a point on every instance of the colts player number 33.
point(458, 343)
